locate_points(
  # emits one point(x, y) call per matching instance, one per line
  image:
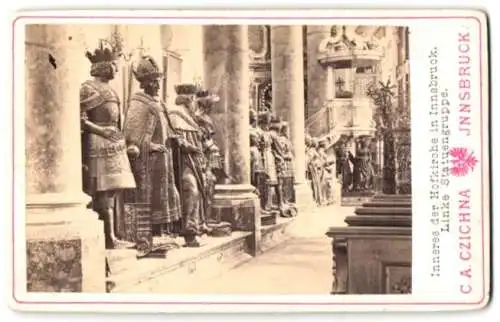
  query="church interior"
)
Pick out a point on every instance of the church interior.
point(339, 94)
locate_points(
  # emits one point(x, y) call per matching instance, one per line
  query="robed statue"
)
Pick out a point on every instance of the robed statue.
point(345, 163)
point(315, 169)
point(289, 166)
point(156, 200)
point(190, 163)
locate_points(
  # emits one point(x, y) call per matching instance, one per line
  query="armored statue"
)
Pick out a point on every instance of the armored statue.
point(363, 167)
point(190, 163)
point(307, 145)
point(269, 161)
point(205, 103)
point(156, 201)
point(106, 168)
point(279, 157)
point(213, 165)
point(289, 168)
point(258, 173)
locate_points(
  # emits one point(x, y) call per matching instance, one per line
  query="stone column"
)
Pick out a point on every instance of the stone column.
point(226, 72)
point(65, 241)
point(288, 96)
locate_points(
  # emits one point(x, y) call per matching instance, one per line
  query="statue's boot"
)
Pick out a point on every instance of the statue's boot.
point(206, 229)
point(156, 230)
point(112, 241)
point(122, 244)
point(191, 241)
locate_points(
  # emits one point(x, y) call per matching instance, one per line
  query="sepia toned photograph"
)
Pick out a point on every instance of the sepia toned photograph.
point(250, 161)
point(218, 159)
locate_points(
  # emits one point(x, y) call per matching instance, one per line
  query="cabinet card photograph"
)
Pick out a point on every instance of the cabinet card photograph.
point(250, 161)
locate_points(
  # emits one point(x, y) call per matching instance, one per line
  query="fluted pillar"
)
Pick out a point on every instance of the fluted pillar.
point(65, 244)
point(226, 72)
point(288, 96)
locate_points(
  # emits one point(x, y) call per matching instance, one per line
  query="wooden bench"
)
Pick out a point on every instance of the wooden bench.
point(373, 254)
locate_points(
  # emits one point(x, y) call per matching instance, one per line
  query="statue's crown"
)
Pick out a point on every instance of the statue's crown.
point(186, 89)
point(203, 94)
point(264, 117)
point(207, 95)
point(104, 53)
point(146, 68)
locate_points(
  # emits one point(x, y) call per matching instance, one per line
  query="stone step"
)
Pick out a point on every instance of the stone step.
point(377, 211)
point(190, 265)
point(379, 221)
point(386, 197)
point(354, 201)
point(268, 219)
point(275, 235)
point(129, 273)
point(388, 203)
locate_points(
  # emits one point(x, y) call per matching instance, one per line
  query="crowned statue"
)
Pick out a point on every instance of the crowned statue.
point(106, 169)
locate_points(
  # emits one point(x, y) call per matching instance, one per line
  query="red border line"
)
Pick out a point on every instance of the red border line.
point(252, 303)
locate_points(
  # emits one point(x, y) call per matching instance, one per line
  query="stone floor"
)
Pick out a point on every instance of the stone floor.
point(301, 265)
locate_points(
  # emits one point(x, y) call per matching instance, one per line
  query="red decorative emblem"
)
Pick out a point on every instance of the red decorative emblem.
point(462, 161)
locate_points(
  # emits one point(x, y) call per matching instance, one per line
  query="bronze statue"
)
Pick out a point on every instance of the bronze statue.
point(345, 164)
point(314, 167)
point(288, 175)
point(268, 158)
point(363, 167)
point(328, 178)
point(279, 157)
point(190, 163)
point(156, 200)
point(213, 165)
point(258, 173)
point(106, 168)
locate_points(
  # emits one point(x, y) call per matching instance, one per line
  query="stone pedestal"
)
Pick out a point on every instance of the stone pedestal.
point(65, 241)
point(288, 98)
point(226, 60)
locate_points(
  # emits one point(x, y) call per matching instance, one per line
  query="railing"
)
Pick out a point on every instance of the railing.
point(402, 151)
point(341, 113)
point(318, 123)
